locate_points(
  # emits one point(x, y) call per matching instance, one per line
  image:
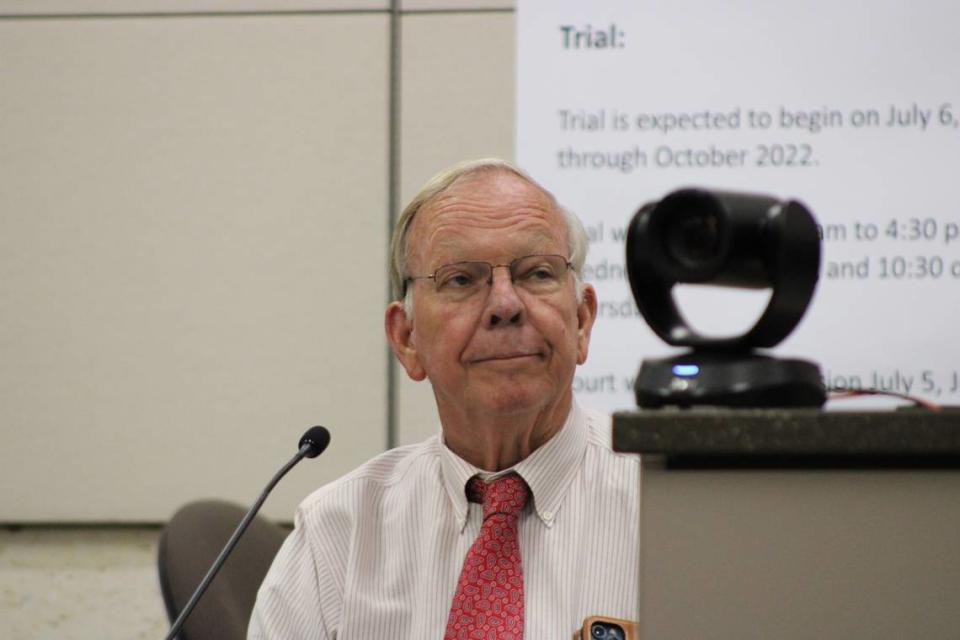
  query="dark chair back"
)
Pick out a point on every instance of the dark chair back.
point(190, 543)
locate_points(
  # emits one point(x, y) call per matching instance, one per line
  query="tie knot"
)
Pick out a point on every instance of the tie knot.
point(505, 495)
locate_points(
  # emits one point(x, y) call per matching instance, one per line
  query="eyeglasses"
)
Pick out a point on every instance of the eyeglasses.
point(538, 275)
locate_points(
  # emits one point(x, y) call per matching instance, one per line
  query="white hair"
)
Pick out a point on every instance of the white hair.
point(576, 235)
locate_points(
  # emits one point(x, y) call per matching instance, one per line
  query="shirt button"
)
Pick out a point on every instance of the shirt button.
point(548, 515)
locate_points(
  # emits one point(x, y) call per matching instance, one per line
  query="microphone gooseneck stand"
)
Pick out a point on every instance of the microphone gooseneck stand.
point(312, 444)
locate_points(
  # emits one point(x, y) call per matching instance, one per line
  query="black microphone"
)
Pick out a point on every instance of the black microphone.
point(312, 444)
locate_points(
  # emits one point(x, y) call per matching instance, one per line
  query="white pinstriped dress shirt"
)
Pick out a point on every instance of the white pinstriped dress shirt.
point(377, 553)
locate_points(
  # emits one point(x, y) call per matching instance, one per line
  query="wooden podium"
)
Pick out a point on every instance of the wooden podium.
point(789, 524)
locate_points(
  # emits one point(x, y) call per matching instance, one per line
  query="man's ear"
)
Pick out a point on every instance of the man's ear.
point(586, 315)
point(399, 329)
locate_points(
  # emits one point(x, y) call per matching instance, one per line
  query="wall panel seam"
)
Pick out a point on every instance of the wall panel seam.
point(393, 197)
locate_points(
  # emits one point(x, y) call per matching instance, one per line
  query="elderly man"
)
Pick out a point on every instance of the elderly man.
point(517, 520)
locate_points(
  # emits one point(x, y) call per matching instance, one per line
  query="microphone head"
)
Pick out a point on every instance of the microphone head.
point(316, 438)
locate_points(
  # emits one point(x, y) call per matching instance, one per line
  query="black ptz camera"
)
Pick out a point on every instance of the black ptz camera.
point(695, 236)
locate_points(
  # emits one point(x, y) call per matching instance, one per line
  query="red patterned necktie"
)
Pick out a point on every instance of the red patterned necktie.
point(488, 602)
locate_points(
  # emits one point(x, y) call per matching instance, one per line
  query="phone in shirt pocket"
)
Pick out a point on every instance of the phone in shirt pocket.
point(604, 628)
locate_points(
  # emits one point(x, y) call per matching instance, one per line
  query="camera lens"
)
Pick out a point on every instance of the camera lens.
point(693, 237)
point(606, 631)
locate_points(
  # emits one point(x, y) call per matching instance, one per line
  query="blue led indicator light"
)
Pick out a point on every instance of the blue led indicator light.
point(685, 370)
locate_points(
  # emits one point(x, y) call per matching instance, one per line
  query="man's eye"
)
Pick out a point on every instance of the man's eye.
point(539, 272)
point(457, 280)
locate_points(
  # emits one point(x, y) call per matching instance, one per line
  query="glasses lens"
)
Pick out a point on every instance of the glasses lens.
point(539, 274)
point(462, 279)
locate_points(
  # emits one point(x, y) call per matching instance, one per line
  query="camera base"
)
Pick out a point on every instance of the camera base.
point(729, 379)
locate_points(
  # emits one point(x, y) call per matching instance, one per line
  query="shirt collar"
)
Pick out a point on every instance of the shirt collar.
point(548, 471)
point(455, 472)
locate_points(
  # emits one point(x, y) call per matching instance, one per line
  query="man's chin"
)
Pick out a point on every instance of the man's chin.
point(513, 397)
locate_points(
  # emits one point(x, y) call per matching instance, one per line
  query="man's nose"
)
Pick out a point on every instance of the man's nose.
point(504, 307)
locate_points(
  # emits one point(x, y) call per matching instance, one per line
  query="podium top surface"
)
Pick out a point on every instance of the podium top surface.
point(914, 433)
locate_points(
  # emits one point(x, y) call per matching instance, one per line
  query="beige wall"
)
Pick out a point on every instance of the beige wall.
point(181, 196)
point(194, 219)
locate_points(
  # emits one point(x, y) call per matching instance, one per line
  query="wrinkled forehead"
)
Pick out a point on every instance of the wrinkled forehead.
point(484, 212)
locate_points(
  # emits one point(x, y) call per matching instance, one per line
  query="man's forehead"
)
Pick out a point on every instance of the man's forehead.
point(495, 180)
point(487, 201)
